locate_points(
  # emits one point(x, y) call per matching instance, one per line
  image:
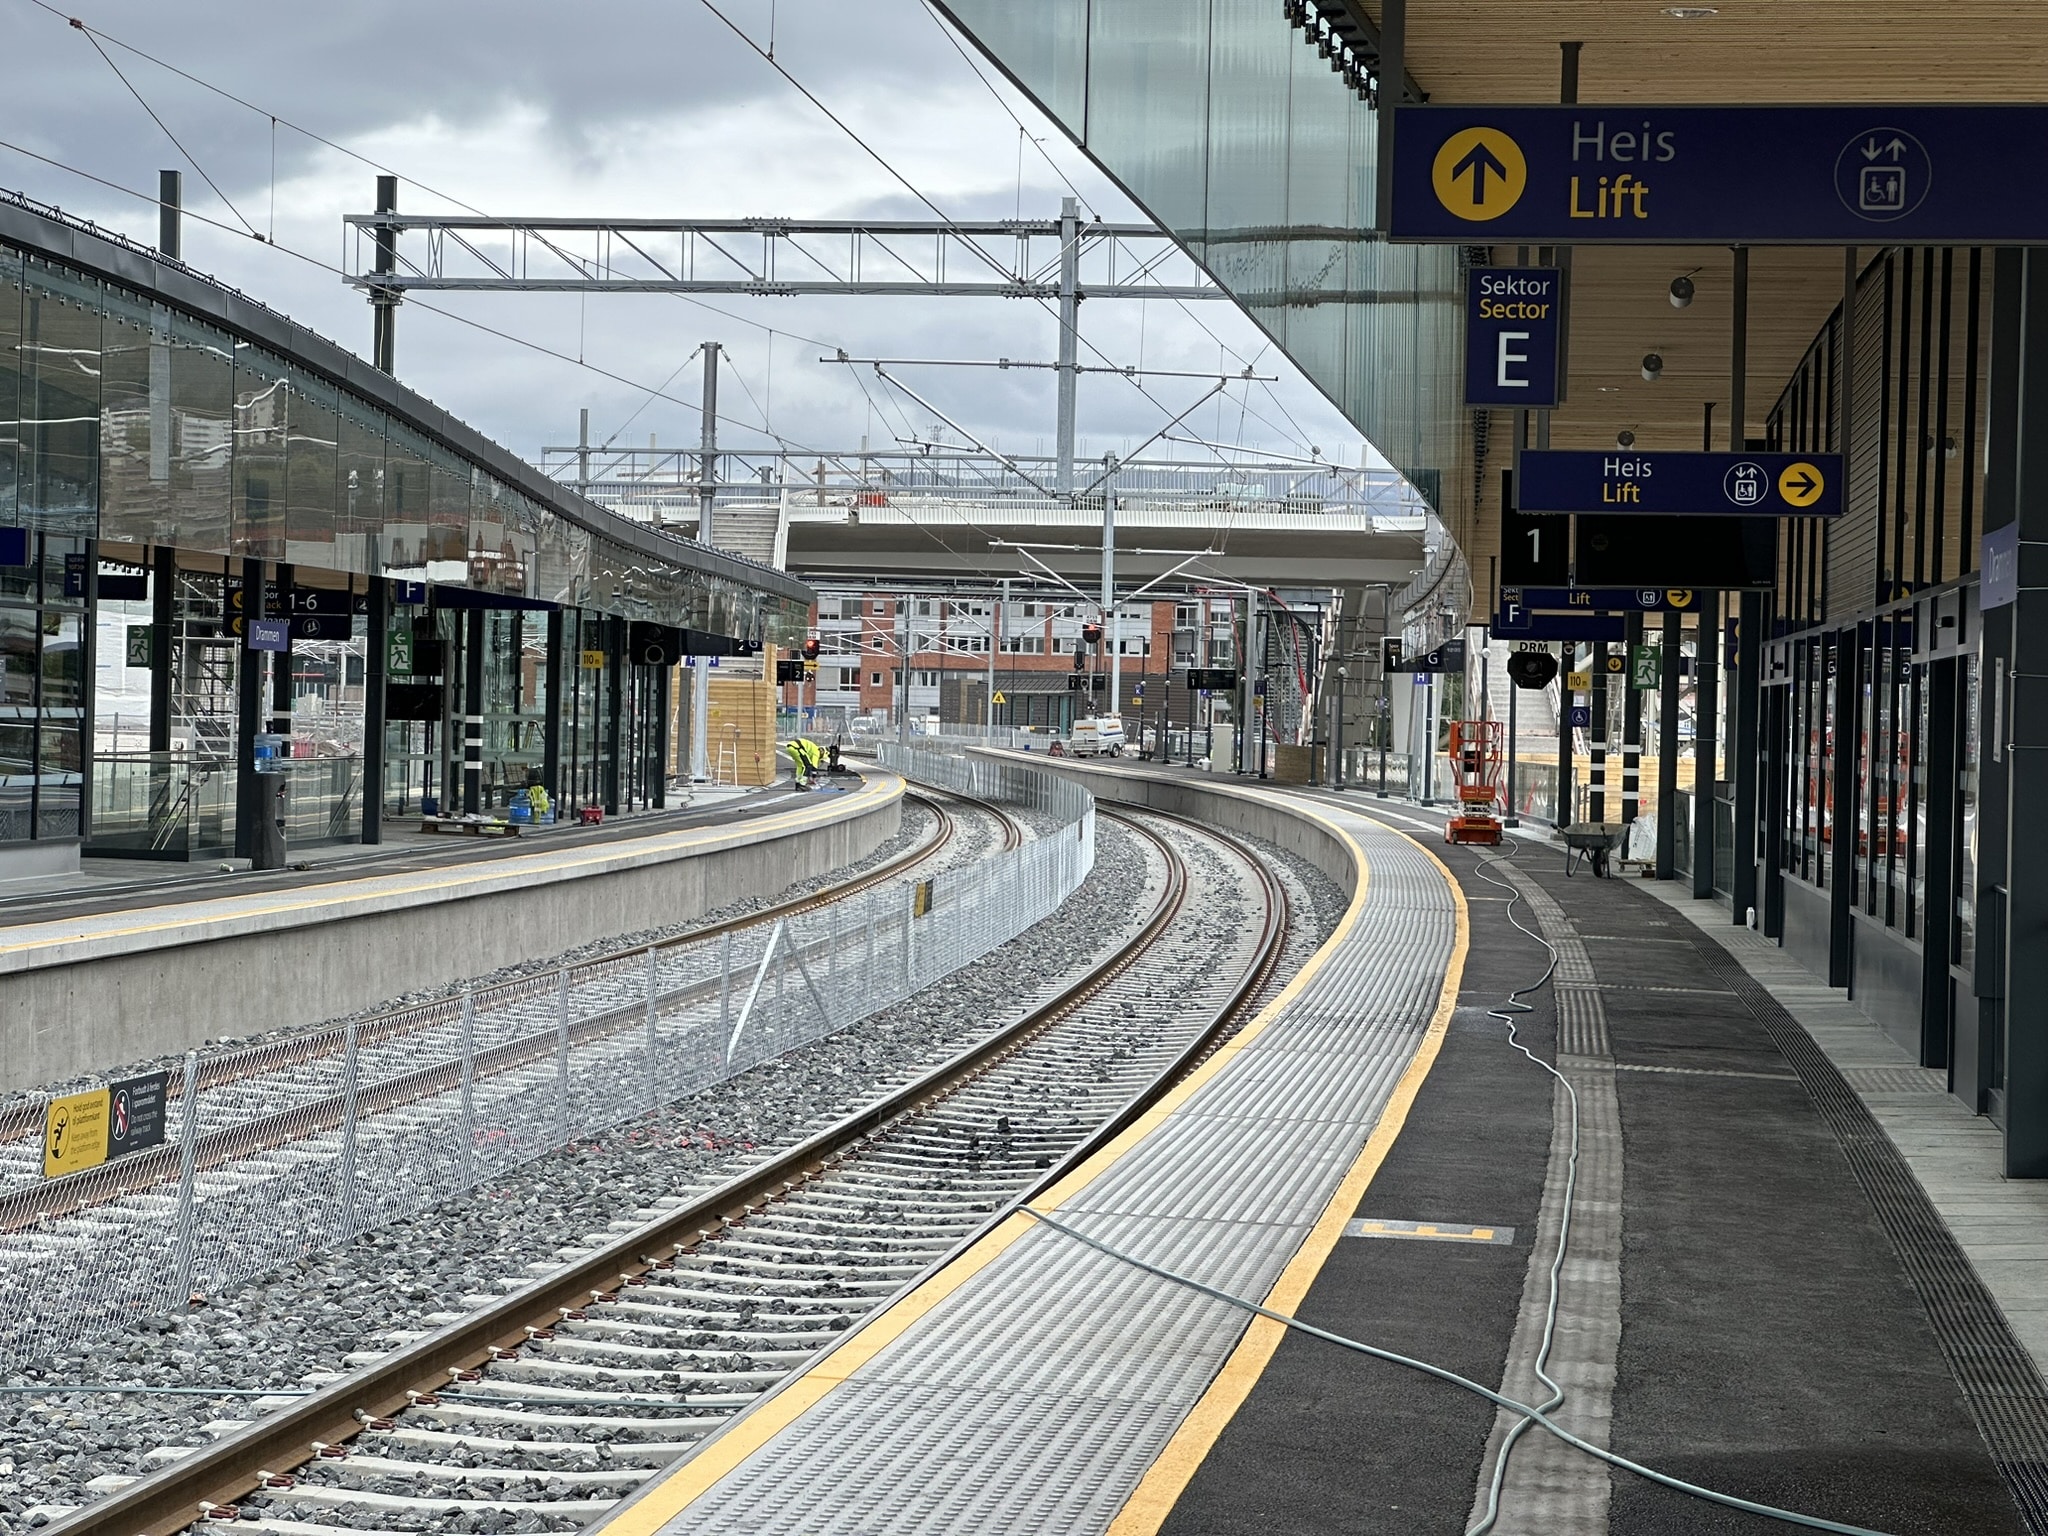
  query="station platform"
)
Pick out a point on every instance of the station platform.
point(1756, 1295)
point(89, 977)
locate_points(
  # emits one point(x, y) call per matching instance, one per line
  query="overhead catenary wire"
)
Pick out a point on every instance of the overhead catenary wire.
point(432, 309)
point(912, 188)
point(190, 159)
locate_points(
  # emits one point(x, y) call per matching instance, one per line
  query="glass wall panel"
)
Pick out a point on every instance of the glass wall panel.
point(60, 401)
point(1148, 76)
point(202, 443)
point(1044, 44)
point(360, 506)
point(135, 428)
point(313, 433)
point(448, 516)
point(408, 493)
point(261, 443)
point(10, 384)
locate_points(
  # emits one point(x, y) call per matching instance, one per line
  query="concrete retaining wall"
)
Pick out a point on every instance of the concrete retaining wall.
point(1218, 802)
point(80, 996)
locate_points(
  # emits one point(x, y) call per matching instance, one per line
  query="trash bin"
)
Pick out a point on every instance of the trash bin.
point(266, 848)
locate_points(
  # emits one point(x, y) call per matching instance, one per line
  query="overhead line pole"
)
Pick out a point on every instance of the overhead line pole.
point(1069, 355)
point(707, 492)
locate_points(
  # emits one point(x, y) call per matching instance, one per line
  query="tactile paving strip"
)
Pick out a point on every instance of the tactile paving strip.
point(1999, 1381)
point(1034, 1398)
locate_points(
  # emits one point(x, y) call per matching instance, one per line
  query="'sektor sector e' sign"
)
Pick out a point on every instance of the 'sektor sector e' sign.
point(1660, 483)
point(1511, 330)
point(1832, 175)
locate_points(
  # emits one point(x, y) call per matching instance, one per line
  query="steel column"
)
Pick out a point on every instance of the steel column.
point(1069, 350)
point(1667, 752)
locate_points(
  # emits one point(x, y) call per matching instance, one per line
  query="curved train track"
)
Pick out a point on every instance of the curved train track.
point(545, 1408)
point(258, 1098)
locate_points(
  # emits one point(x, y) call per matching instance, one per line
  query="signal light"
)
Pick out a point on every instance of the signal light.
point(811, 649)
point(1532, 669)
point(1091, 634)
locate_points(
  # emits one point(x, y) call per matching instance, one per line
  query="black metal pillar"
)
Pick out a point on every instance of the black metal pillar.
point(1937, 934)
point(1706, 725)
point(1772, 751)
point(558, 676)
point(1848, 730)
point(1561, 811)
point(281, 663)
point(473, 713)
point(1745, 699)
point(1596, 750)
point(1631, 725)
point(1667, 751)
point(376, 657)
point(163, 615)
point(663, 678)
point(2021, 719)
point(614, 666)
point(384, 301)
point(248, 713)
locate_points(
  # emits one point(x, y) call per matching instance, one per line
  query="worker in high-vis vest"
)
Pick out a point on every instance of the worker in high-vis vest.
point(805, 756)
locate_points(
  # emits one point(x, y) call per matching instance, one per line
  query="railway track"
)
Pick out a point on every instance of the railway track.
point(286, 1135)
point(22, 1122)
point(545, 1408)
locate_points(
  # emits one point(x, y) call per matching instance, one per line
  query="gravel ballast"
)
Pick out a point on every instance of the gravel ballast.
point(287, 1326)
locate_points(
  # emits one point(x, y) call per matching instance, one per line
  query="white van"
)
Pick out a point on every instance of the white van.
point(1102, 736)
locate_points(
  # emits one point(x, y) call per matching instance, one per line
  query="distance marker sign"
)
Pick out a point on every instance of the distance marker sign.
point(1829, 175)
point(1680, 484)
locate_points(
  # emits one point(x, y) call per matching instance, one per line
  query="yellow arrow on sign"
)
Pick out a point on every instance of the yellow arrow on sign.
point(1479, 174)
point(1801, 484)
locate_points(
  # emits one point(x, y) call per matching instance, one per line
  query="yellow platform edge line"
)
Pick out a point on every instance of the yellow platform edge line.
point(494, 871)
point(663, 1501)
point(1168, 1477)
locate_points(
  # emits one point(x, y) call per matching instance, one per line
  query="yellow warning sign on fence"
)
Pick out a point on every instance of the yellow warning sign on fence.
point(999, 699)
point(75, 1133)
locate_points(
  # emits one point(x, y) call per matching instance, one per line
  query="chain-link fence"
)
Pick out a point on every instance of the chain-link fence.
point(287, 1147)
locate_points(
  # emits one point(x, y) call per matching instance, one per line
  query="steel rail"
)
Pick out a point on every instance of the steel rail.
point(22, 1121)
point(207, 1482)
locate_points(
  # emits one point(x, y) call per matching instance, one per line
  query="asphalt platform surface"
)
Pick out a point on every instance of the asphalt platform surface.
point(1773, 1344)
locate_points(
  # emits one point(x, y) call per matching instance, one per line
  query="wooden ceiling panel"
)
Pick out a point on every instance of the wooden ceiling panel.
point(1750, 51)
point(1621, 310)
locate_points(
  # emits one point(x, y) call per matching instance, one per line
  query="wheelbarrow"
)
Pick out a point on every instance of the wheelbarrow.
point(1588, 842)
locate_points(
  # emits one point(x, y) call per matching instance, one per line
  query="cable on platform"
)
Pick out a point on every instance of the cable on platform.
point(1535, 1415)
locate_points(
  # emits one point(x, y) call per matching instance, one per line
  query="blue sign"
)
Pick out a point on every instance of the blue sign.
point(409, 594)
point(1833, 175)
point(1516, 622)
point(1602, 599)
point(13, 546)
point(1680, 484)
point(270, 634)
point(1581, 717)
point(1511, 329)
point(74, 575)
point(2000, 563)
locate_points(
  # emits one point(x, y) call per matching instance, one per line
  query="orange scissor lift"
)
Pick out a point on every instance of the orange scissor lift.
point(1477, 749)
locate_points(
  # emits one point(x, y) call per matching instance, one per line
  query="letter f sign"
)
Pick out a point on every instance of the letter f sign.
point(1507, 355)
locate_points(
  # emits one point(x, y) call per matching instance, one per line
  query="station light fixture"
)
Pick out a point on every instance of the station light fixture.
point(1692, 12)
point(1624, 438)
point(1653, 366)
point(1681, 290)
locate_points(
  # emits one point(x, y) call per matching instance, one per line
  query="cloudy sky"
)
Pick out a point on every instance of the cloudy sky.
point(608, 106)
